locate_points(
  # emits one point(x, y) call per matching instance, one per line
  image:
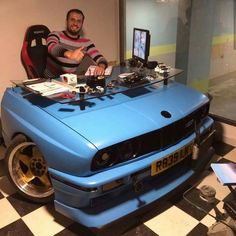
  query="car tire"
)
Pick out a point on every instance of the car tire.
point(28, 171)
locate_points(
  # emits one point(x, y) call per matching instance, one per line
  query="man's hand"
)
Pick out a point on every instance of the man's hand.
point(99, 70)
point(76, 55)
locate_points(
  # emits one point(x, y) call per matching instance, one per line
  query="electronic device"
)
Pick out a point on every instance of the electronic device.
point(141, 45)
point(133, 80)
point(93, 81)
point(152, 64)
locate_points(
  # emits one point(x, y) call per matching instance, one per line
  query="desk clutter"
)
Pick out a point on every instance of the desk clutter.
point(115, 80)
point(162, 69)
point(66, 86)
point(90, 70)
point(70, 85)
point(47, 88)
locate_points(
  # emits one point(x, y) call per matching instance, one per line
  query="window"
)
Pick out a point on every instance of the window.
point(196, 36)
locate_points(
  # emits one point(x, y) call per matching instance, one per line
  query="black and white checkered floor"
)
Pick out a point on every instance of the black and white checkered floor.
point(175, 217)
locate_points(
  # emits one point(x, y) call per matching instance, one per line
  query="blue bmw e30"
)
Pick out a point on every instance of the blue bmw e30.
point(102, 157)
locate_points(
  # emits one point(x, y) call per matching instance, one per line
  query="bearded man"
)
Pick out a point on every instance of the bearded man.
point(66, 49)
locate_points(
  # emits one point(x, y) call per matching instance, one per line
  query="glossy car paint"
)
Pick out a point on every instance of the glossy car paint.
point(69, 137)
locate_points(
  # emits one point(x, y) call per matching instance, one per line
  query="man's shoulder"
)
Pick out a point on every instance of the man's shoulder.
point(59, 33)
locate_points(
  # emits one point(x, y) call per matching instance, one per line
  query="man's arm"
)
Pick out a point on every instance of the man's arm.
point(57, 62)
point(94, 53)
point(57, 50)
point(54, 47)
point(76, 55)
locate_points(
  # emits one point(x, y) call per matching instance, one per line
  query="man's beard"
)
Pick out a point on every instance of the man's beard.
point(72, 32)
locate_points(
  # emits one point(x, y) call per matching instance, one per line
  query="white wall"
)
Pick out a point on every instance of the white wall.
point(101, 26)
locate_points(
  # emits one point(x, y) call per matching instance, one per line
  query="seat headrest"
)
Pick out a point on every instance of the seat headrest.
point(35, 32)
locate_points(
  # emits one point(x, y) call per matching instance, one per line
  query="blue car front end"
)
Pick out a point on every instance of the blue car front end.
point(120, 153)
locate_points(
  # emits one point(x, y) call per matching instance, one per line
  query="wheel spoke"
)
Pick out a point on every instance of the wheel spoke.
point(45, 180)
point(24, 159)
point(36, 152)
point(28, 176)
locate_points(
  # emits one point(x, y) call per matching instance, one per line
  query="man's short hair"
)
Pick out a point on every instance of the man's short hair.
point(78, 11)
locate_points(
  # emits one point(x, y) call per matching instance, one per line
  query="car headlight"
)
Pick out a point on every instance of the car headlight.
point(104, 158)
point(116, 154)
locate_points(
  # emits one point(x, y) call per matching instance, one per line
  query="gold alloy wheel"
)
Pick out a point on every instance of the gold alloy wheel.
point(28, 171)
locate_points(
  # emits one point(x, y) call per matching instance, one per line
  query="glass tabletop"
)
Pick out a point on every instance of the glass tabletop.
point(122, 79)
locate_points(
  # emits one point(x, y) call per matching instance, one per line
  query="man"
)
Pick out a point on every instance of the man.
point(66, 49)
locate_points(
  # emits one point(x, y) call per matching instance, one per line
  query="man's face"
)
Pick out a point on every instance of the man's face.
point(74, 23)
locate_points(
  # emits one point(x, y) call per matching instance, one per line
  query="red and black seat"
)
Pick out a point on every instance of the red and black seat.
point(34, 50)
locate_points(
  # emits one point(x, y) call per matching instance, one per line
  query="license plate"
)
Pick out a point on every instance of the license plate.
point(171, 160)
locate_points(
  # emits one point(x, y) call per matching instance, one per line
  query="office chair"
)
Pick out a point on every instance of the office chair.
point(34, 50)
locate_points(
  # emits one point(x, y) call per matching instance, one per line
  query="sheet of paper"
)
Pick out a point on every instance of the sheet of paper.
point(90, 70)
point(48, 88)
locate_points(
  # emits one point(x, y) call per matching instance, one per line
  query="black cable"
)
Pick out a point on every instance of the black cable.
point(201, 209)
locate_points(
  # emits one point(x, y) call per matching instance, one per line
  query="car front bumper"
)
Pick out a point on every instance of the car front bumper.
point(85, 200)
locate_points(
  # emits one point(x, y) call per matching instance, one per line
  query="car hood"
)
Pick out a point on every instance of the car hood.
point(109, 120)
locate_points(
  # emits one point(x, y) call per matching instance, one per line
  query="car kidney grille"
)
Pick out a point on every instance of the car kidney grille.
point(171, 134)
point(163, 138)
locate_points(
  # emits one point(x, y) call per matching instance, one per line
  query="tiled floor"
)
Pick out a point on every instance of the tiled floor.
point(178, 216)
